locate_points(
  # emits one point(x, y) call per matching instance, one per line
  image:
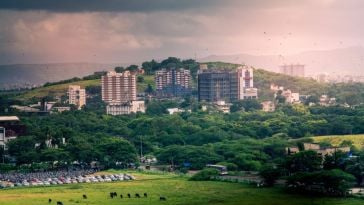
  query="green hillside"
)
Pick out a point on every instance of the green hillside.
point(55, 90)
point(351, 93)
point(61, 89)
point(336, 140)
point(345, 93)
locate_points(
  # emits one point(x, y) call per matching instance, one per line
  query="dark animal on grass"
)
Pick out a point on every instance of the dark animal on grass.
point(59, 203)
point(137, 195)
point(162, 198)
point(49, 201)
point(84, 196)
point(121, 196)
point(129, 195)
point(115, 194)
point(145, 195)
point(111, 195)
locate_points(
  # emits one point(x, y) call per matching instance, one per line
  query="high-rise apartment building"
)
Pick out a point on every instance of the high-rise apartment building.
point(228, 86)
point(246, 83)
point(119, 93)
point(173, 82)
point(295, 70)
point(216, 86)
point(118, 87)
point(76, 96)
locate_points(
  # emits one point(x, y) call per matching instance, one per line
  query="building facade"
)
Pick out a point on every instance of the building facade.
point(268, 106)
point(76, 96)
point(119, 93)
point(174, 82)
point(246, 83)
point(125, 108)
point(10, 128)
point(295, 70)
point(228, 86)
point(118, 87)
point(216, 86)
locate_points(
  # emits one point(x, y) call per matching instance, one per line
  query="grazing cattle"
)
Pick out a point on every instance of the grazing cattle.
point(49, 201)
point(59, 203)
point(137, 195)
point(145, 195)
point(121, 196)
point(113, 194)
point(84, 196)
point(162, 198)
point(129, 195)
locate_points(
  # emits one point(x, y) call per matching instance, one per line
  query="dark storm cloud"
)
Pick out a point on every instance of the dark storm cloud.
point(105, 5)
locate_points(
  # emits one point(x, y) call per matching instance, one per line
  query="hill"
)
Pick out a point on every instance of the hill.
point(336, 61)
point(345, 93)
point(61, 89)
point(351, 93)
point(336, 140)
point(263, 79)
point(29, 75)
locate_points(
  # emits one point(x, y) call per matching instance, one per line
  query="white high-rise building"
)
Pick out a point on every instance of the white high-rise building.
point(76, 96)
point(118, 87)
point(119, 93)
point(246, 83)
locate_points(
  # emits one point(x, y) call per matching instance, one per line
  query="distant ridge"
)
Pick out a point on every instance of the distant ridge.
point(337, 61)
point(22, 75)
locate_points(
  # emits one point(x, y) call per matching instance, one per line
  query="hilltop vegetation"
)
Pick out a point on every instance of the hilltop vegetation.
point(351, 94)
point(60, 89)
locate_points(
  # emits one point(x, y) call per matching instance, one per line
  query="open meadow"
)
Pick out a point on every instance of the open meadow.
point(336, 140)
point(176, 189)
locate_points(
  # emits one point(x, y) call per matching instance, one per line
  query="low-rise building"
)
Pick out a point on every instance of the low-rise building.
point(311, 146)
point(222, 106)
point(125, 108)
point(321, 151)
point(10, 128)
point(275, 87)
point(60, 109)
point(172, 111)
point(292, 150)
point(76, 96)
point(268, 106)
point(291, 97)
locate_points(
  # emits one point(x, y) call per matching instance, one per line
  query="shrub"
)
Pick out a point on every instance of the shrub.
point(205, 175)
point(270, 175)
point(230, 166)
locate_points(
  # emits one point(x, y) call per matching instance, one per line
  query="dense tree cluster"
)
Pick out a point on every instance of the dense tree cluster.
point(246, 139)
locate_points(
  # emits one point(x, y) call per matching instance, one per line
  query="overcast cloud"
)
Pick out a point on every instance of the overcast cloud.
point(127, 31)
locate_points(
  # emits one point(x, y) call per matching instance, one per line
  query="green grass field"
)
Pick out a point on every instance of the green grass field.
point(177, 190)
point(336, 140)
point(55, 90)
point(61, 89)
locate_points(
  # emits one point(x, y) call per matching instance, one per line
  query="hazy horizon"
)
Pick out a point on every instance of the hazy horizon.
point(133, 31)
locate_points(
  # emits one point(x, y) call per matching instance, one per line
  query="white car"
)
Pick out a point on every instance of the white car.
point(25, 183)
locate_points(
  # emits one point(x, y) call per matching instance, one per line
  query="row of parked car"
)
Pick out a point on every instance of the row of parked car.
point(69, 180)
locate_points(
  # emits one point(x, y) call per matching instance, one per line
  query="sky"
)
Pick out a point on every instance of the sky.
point(114, 31)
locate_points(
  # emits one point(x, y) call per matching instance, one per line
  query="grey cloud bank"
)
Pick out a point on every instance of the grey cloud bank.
point(132, 31)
